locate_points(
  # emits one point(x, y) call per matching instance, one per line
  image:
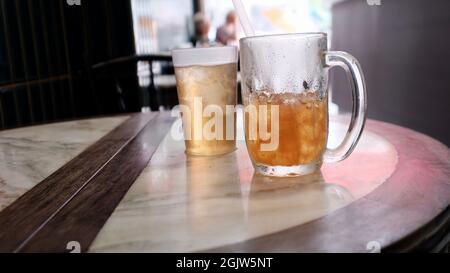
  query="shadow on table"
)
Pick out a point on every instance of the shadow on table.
point(275, 203)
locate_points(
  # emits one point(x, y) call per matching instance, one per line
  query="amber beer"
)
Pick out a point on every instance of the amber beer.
point(206, 86)
point(199, 87)
point(302, 125)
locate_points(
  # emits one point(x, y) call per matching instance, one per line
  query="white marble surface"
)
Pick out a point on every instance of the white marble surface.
point(182, 203)
point(30, 154)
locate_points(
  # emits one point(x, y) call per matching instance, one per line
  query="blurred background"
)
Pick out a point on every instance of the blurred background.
point(65, 59)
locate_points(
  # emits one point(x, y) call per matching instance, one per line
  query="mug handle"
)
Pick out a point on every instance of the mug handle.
point(359, 94)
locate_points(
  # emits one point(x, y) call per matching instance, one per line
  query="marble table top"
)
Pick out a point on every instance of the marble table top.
point(181, 203)
point(30, 154)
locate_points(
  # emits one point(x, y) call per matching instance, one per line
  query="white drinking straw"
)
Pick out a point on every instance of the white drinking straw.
point(243, 18)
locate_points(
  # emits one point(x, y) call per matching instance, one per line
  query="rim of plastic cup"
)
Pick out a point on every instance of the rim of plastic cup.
point(205, 56)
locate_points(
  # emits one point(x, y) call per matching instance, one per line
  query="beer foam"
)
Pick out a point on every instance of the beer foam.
point(205, 56)
point(284, 63)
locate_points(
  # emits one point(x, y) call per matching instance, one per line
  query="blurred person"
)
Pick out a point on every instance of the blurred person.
point(227, 34)
point(201, 30)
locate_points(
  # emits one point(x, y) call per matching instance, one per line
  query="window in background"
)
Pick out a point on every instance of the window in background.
point(276, 16)
point(160, 25)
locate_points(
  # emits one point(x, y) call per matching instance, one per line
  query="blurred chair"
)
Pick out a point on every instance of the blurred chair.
point(37, 101)
point(160, 90)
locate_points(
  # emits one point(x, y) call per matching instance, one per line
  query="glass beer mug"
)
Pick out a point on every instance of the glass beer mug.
point(285, 94)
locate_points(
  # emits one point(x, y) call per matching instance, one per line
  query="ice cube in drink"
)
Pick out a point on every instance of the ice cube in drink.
point(302, 124)
point(202, 86)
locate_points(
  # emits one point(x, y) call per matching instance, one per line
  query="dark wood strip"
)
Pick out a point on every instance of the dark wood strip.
point(35, 207)
point(83, 217)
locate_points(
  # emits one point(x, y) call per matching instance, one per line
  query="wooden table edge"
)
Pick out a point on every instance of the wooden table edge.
point(278, 242)
point(296, 239)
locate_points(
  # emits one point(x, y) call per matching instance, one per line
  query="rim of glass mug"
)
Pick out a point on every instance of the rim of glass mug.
point(204, 56)
point(285, 35)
